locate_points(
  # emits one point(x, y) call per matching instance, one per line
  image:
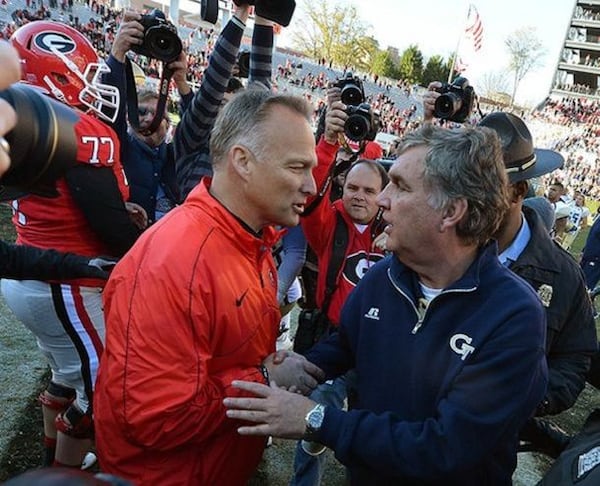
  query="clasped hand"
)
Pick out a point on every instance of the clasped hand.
point(293, 372)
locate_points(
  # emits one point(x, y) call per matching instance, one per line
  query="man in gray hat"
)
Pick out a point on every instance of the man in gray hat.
point(525, 246)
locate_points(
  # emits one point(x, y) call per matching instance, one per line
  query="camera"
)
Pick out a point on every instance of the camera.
point(362, 123)
point(353, 92)
point(455, 102)
point(160, 38)
point(279, 11)
point(243, 64)
point(43, 143)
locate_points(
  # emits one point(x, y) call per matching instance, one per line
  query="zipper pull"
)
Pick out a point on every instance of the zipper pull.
point(422, 305)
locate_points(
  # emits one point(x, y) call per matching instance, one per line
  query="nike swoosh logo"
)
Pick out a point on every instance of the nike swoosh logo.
point(238, 301)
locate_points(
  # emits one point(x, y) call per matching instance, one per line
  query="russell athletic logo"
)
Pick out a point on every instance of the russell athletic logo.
point(373, 313)
point(55, 41)
point(461, 345)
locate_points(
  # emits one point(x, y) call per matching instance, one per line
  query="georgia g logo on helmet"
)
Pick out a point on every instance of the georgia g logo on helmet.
point(55, 42)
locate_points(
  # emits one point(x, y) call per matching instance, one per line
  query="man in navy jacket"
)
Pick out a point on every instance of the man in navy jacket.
point(448, 344)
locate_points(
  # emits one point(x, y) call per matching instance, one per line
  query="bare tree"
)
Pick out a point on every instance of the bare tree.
point(333, 32)
point(526, 52)
point(494, 83)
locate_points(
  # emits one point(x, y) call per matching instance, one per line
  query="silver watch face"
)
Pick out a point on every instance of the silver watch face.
point(315, 417)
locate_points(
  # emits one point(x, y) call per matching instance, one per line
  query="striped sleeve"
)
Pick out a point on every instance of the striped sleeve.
point(261, 57)
point(193, 131)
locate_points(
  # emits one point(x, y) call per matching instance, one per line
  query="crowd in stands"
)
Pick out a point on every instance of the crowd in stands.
point(567, 124)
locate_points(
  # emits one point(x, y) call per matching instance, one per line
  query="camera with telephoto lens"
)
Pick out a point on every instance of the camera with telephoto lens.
point(160, 38)
point(455, 102)
point(362, 123)
point(353, 92)
point(43, 144)
point(279, 11)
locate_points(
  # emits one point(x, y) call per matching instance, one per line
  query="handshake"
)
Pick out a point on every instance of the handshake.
point(293, 372)
point(279, 11)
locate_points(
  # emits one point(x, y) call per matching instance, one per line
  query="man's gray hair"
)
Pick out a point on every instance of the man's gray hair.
point(465, 163)
point(242, 121)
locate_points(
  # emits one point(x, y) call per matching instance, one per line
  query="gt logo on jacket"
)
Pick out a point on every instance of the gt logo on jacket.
point(461, 345)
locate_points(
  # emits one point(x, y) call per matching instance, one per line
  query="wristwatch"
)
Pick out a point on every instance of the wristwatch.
point(314, 420)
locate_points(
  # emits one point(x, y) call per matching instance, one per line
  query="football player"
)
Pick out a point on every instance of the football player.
point(88, 216)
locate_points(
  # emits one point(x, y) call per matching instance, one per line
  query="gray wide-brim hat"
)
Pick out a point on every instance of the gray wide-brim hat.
point(521, 159)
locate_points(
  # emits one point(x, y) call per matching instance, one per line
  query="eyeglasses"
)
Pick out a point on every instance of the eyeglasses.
point(144, 110)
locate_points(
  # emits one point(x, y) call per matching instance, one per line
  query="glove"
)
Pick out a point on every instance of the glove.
point(101, 266)
point(77, 266)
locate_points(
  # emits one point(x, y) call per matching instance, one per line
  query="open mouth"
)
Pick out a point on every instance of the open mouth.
point(298, 208)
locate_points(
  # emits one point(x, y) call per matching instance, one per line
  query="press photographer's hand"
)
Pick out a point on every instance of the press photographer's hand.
point(429, 100)
point(179, 68)
point(334, 121)
point(10, 73)
point(131, 33)
point(294, 372)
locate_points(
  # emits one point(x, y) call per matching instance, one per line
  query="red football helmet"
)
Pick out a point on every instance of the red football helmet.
point(63, 62)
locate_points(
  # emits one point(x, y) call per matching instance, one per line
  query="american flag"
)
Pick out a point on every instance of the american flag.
point(474, 30)
point(460, 66)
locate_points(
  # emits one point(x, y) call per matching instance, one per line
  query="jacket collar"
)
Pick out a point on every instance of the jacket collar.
point(243, 237)
point(407, 280)
point(540, 246)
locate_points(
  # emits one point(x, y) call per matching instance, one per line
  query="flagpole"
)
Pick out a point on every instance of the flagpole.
point(460, 36)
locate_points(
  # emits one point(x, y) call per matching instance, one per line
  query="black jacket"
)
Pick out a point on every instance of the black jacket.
point(571, 334)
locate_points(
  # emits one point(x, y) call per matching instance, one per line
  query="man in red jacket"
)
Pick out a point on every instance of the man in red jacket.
point(193, 306)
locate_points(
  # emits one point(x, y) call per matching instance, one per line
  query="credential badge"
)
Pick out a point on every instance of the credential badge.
point(545, 293)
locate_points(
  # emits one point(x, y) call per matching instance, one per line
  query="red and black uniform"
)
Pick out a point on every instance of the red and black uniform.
point(88, 218)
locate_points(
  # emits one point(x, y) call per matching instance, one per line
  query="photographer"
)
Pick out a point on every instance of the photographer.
point(192, 135)
point(342, 235)
point(448, 102)
point(147, 159)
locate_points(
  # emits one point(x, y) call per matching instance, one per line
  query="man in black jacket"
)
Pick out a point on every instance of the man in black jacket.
point(525, 246)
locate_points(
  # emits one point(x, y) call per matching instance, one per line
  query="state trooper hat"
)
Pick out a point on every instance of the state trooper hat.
point(521, 159)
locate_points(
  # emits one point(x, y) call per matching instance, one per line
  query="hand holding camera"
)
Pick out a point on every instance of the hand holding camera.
point(160, 40)
point(361, 123)
point(453, 102)
point(335, 119)
point(130, 34)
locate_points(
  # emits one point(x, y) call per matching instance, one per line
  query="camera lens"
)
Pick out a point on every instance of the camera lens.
point(43, 143)
point(447, 105)
point(162, 43)
point(351, 95)
point(356, 127)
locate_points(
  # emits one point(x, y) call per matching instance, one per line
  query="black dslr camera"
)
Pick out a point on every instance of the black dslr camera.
point(362, 123)
point(161, 40)
point(456, 101)
point(353, 92)
point(279, 11)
